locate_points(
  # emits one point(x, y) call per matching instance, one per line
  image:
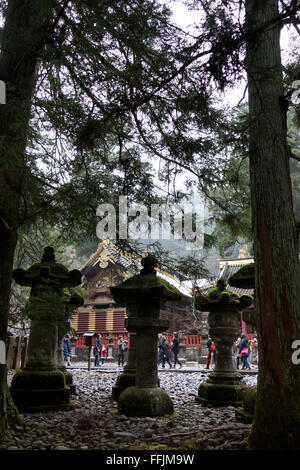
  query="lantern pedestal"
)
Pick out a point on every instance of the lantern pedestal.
point(41, 390)
point(146, 398)
point(223, 387)
point(143, 295)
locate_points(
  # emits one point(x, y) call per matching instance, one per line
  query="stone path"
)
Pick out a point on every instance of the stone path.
point(187, 367)
point(96, 425)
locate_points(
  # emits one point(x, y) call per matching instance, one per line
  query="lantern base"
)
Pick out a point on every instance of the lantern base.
point(222, 389)
point(38, 391)
point(123, 382)
point(142, 402)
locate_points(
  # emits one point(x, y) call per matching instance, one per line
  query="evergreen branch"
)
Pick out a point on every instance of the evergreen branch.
point(154, 150)
point(292, 155)
point(294, 21)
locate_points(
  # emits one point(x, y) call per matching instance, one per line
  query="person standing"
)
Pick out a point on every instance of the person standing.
point(244, 351)
point(213, 352)
point(255, 349)
point(209, 351)
point(250, 347)
point(160, 352)
point(97, 351)
point(175, 349)
point(67, 350)
point(166, 352)
point(103, 355)
point(122, 347)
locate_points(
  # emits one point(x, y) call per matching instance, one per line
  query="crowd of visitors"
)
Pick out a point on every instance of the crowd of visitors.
point(243, 351)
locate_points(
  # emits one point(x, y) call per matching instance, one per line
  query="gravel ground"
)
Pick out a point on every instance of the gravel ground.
point(96, 425)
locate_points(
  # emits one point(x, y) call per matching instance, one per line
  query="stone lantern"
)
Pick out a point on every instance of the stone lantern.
point(223, 386)
point(244, 279)
point(41, 386)
point(110, 348)
point(144, 293)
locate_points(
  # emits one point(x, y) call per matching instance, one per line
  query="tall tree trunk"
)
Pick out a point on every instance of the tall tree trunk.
point(27, 28)
point(8, 412)
point(277, 415)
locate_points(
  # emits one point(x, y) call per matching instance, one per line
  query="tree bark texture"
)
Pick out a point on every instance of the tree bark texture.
point(277, 414)
point(27, 29)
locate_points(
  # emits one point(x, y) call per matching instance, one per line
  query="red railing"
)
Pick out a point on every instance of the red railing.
point(80, 343)
point(188, 341)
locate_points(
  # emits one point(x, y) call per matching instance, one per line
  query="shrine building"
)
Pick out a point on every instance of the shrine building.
point(109, 266)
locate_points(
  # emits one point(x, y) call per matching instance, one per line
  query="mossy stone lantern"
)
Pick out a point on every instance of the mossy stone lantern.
point(40, 386)
point(144, 293)
point(223, 386)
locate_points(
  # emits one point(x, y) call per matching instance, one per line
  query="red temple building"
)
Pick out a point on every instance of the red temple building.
point(109, 266)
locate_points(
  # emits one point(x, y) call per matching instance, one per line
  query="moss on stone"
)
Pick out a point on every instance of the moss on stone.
point(28, 379)
point(242, 416)
point(123, 381)
point(190, 445)
point(30, 401)
point(13, 416)
point(221, 299)
point(149, 282)
point(220, 394)
point(173, 415)
point(243, 278)
point(135, 401)
point(47, 307)
point(249, 399)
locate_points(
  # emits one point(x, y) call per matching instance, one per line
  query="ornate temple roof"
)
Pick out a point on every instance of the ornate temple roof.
point(128, 263)
point(227, 267)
